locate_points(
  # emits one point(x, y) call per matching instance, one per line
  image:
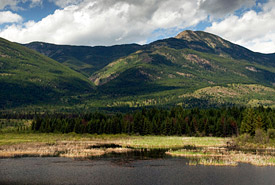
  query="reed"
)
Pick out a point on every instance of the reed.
point(212, 162)
point(76, 149)
point(193, 153)
point(218, 157)
point(258, 160)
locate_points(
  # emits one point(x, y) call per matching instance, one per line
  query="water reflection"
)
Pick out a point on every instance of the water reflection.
point(126, 158)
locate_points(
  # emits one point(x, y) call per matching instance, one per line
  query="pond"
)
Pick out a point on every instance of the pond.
point(137, 167)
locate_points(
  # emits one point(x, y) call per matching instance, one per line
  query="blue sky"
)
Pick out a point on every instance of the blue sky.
point(36, 13)
point(108, 22)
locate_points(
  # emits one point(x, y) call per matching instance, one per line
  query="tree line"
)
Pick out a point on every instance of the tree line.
point(154, 121)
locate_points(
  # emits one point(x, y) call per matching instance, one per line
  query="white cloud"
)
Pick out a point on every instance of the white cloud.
point(253, 30)
point(5, 3)
point(65, 3)
point(107, 22)
point(12, 4)
point(9, 17)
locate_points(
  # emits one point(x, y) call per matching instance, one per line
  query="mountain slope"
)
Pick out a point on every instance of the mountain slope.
point(194, 68)
point(83, 59)
point(210, 64)
point(207, 42)
point(27, 77)
point(182, 65)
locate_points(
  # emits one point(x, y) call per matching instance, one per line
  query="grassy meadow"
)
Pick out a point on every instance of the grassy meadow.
point(124, 140)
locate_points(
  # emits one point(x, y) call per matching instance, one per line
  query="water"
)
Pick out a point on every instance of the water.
point(139, 167)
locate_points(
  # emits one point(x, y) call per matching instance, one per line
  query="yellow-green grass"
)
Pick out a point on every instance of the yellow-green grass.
point(17, 138)
point(193, 153)
point(175, 141)
point(124, 140)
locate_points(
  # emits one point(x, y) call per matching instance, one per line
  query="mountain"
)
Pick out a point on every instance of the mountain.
point(174, 70)
point(83, 59)
point(192, 69)
point(207, 42)
point(30, 78)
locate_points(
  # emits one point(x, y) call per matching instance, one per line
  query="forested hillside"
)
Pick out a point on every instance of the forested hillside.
point(30, 78)
point(193, 69)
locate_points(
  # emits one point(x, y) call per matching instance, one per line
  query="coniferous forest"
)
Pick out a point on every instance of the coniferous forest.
point(221, 122)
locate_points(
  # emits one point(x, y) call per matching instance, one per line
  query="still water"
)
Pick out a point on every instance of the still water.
point(129, 169)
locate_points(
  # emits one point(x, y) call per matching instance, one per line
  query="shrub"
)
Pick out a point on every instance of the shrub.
point(260, 136)
point(244, 138)
point(271, 133)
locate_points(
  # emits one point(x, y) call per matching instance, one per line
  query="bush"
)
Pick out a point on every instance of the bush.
point(271, 133)
point(260, 136)
point(244, 138)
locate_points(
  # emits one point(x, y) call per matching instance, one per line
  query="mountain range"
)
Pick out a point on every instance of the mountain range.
point(193, 69)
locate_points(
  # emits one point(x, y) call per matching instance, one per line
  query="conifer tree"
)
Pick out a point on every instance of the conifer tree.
point(248, 122)
point(259, 122)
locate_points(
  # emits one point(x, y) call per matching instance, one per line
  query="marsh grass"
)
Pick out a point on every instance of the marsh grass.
point(121, 139)
point(212, 162)
point(201, 150)
point(175, 141)
point(193, 153)
point(76, 145)
point(25, 137)
point(75, 149)
point(231, 158)
point(258, 160)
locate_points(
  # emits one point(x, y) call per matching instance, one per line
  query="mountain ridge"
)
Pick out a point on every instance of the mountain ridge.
point(204, 39)
point(174, 66)
point(189, 36)
point(79, 57)
point(194, 68)
point(100, 56)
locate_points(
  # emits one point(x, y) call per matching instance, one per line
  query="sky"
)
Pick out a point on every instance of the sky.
point(249, 23)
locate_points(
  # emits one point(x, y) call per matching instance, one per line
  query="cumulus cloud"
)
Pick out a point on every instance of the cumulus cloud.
point(254, 30)
point(9, 17)
point(65, 3)
point(107, 22)
point(223, 7)
point(5, 3)
point(12, 4)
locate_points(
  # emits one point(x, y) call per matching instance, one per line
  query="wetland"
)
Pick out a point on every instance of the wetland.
point(40, 158)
